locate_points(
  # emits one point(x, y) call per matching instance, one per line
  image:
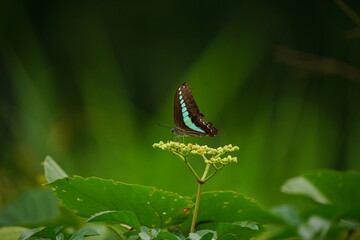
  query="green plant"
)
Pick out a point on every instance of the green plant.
point(325, 205)
point(216, 161)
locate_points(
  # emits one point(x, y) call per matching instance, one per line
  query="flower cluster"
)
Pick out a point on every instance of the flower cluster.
point(186, 149)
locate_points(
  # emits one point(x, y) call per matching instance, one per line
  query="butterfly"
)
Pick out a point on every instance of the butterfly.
point(187, 117)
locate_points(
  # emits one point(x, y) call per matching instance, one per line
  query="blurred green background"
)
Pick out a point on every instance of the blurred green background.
point(88, 82)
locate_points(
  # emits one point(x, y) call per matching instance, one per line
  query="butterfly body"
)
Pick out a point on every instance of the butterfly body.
point(188, 119)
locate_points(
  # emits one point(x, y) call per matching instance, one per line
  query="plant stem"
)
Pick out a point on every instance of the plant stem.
point(205, 172)
point(188, 164)
point(198, 194)
point(191, 169)
point(196, 209)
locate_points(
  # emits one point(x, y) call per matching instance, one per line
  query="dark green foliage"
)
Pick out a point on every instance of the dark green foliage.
point(153, 208)
point(326, 208)
point(229, 207)
point(333, 209)
point(231, 214)
point(83, 233)
point(125, 217)
point(239, 230)
point(52, 233)
point(31, 208)
point(331, 189)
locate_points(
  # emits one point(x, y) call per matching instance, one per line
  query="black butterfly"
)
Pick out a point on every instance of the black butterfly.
point(188, 119)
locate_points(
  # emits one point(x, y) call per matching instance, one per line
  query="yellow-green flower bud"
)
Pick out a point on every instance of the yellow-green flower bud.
point(184, 150)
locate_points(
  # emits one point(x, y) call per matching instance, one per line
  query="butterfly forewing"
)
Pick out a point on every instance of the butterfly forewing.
point(188, 119)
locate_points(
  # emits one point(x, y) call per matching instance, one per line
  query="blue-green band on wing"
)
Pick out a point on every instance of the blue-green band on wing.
point(188, 119)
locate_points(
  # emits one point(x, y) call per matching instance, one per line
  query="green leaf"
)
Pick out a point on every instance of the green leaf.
point(276, 232)
point(166, 235)
point(348, 224)
point(228, 236)
point(47, 233)
point(60, 236)
point(130, 233)
point(10, 233)
point(203, 235)
point(207, 236)
point(194, 236)
point(315, 228)
point(154, 232)
point(303, 186)
point(124, 217)
point(228, 207)
point(153, 207)
point(26, 234)
point(83, 233)
point(52, 170)
point(31, 208)
point(242, 230)
point(338, 189)
point(144, 234)
point(179, 235)
point(288, 213)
